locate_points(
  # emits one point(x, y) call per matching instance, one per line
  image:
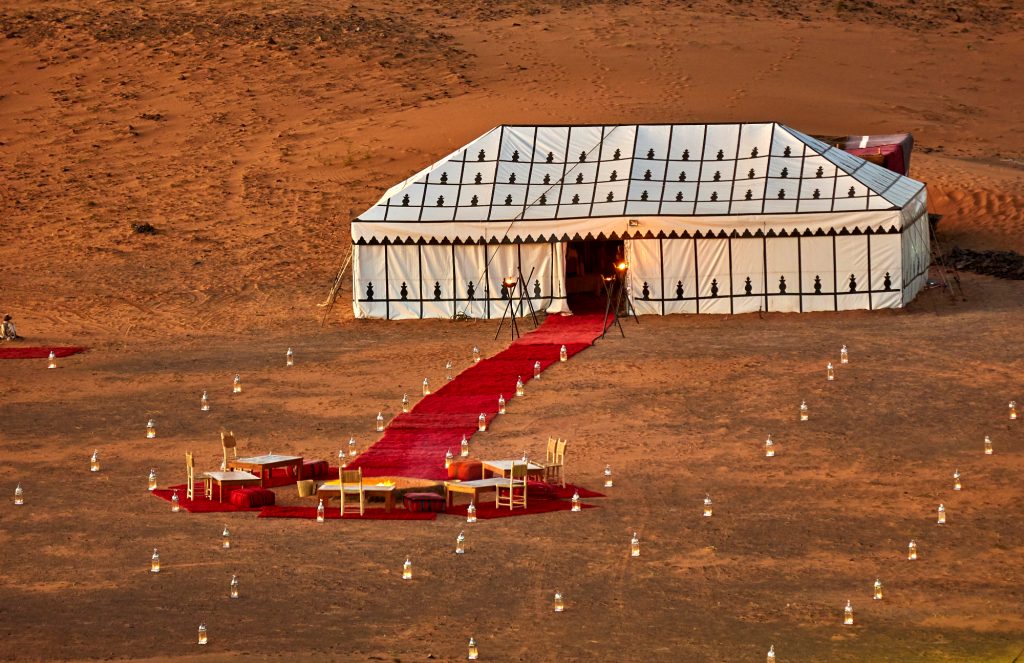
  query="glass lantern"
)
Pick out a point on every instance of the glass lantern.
point(536, 370)
point(405, 402)
point(559, 602)
point(848, 614)
point(830, 372)
point(501, 403)
point(707, 506)
point(464, 447)
point(520, 389)
point(460, 543)
point(912, 550)
point(289, 358)
point(471, 513)
point(988, 446)
point(563, 354)
point(236, 385)
point(449, 371)
point(204, 403)
point(202, 633)
point(150, 429)
point(576, 502)
point(380, 422)
point(769, 447)
point(19, 496)
point(482, 423)
point(449, 457)
point(407, 570)
point(1013, 410)
point(844, 355)
point(426, 387)
point(152, 479)
point(942, 515)
point(233, 587)
point(94, 462)
point(52, 360)
point(154, 562)
point(877, 593)
point(352, 452)
point(771, 654)
point(804, 412)
point(956, 480)
point(320, 512)
point(476, 355)
point(608, 483)
point(634, 546)
point(225, 538)
point(175, 502)
point(474, 653)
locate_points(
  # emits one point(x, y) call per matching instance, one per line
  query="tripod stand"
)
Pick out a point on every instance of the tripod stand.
point(510, 283)
point(615, 290)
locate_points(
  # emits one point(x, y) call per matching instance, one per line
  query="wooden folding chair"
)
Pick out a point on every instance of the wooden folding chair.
point(190, 474)
point(516, 488)
point(554, 470)
point(229, 447)
point(350, 482)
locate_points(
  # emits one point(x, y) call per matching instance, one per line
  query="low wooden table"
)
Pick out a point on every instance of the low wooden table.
point(266, 463)
point(504, 467)
point(328, 491)
point(232, 479)
point(473, 488)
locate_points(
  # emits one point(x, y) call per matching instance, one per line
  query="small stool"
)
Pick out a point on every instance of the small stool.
point(423, 502)
point(465, 470)
point(307, 487)
point(252, 498)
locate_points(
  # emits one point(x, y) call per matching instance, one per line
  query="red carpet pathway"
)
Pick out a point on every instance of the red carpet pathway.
point(415, 443)
point(17, 352)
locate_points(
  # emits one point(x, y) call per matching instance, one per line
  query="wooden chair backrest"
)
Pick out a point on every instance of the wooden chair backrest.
point(560, 451)
point(518, 472)
point(227, 439)
point(549, 457)
point(354, 477)
point(190, 468)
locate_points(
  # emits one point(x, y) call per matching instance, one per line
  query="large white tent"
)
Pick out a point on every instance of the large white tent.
point(714, 218)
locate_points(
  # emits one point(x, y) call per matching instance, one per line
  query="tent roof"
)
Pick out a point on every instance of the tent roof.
point(709, 177)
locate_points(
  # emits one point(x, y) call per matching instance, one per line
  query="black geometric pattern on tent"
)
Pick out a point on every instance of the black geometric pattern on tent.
point(790, 163)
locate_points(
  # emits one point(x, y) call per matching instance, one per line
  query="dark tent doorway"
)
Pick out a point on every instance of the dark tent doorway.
point(586, 262)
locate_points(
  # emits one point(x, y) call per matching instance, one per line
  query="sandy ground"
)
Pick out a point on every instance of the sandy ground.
point(249, 134)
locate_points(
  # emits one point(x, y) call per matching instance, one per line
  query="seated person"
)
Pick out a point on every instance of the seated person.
point(7, 330)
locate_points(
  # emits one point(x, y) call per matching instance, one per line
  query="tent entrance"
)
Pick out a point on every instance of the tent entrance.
point(586, 262)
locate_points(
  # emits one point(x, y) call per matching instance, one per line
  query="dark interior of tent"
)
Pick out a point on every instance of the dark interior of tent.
point(586, 263)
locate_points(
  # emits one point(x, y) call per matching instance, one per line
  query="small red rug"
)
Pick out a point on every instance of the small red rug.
point(8, 352)
point(487, 510)
point(200, 505)
point(334, 513)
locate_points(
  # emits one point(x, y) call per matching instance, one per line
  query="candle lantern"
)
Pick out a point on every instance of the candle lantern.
point(988, 446)
point(474, 654)
point(877, 595)
point(202, 633)
point(236, 386)
point(448, 458)
point(482, 423)
point(769, 447)
point(154, 562)
point(380, 422)
point(152, 479)
point(771, 654)
point(19, 496)
point(501, 403)
point(608, 476)
point(405, 402)
point(804, 412)
point(634, 546)
point(912, 550)
point(460, 543)
point(707, 506)
point(956, 480)
point(94, 462)
point(448, 368)
point(233, 587)
point(204, 403)
point(559, 602)
point(942, 515)
point(352, 447)
point(520, 390)
point(848, 614)
point(1013, 409)
point(289, 358)
point(52, 360)
point(536, 370)
point(830, 372)
point(150, 429)
point(464, 447)
point(175, 502)
point(426, 387)
point(407, 570)
point(563, 354)
point(844, 355)
point(320, 512)
point(576, 501)
point(476, 354)
point(471, 513)
point(225, 538)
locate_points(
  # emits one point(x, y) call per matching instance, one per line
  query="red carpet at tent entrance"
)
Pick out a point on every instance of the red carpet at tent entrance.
point(415, 443)
point(38, 352)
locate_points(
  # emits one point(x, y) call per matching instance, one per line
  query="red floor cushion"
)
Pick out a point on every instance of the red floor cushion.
point(312, 469)
point(465, 470)
point(252, 497)
point(424, 502)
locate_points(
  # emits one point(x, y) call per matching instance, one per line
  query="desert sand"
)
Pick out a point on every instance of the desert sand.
point(250, 134)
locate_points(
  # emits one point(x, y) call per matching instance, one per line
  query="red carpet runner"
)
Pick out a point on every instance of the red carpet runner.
point(13, 352)
point(415, 443)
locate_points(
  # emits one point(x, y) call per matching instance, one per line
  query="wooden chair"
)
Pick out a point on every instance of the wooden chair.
point(350, 482)
point(227, 443)
point(554, 469)
point(190, 473)
point(516, 488)
point(549, 455)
